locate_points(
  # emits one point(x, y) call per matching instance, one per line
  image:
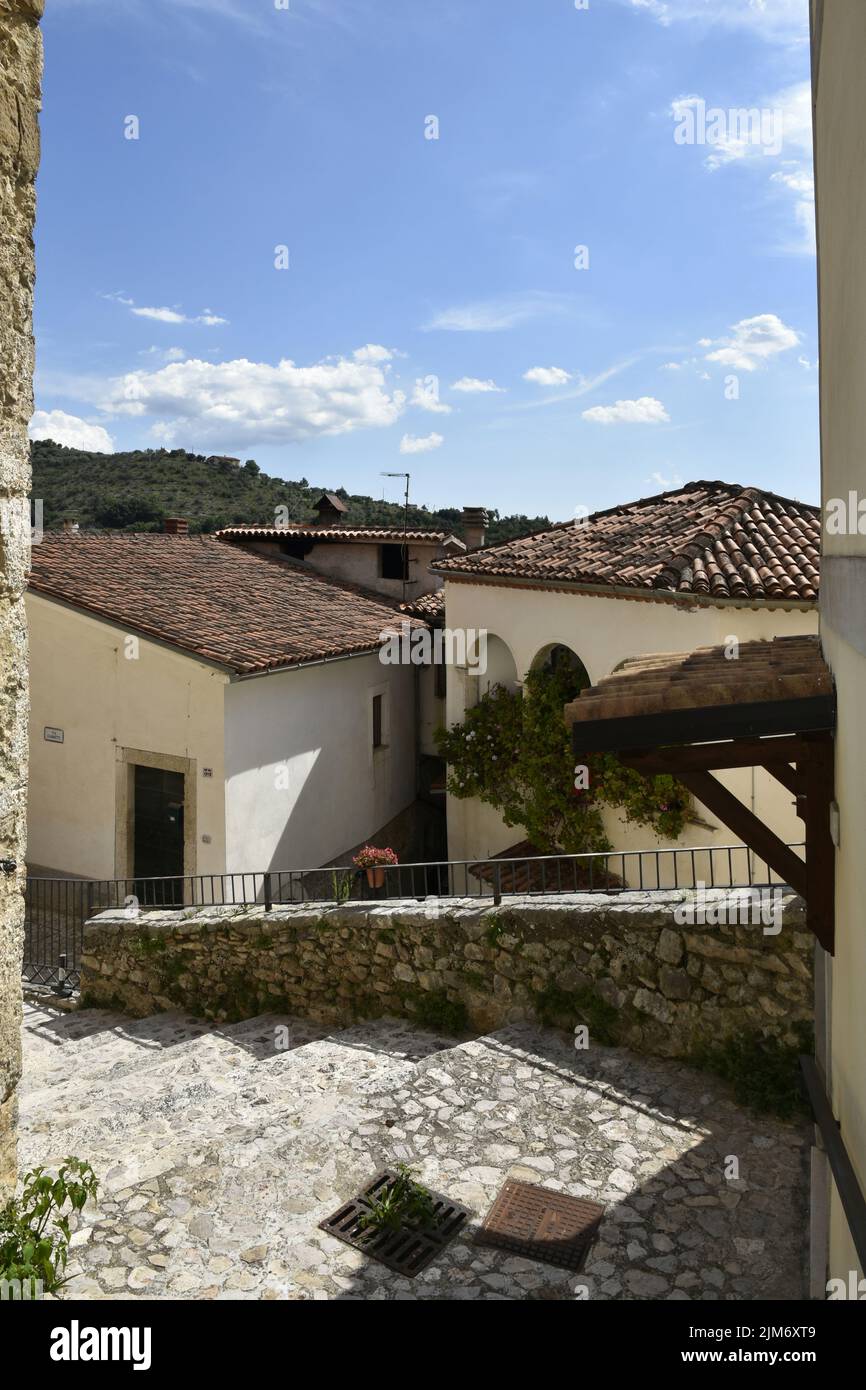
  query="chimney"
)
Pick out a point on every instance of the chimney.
point(475, 521)
point(176, 526)
point(70, 526)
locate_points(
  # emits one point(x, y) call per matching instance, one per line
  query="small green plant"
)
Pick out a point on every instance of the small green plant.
point(435, 1010)
point(341, 887)
point(493, 934)
point(556, 1007)
point(475, 980)
point(144, 945)
point(764, 1072)
point(406, 1202)
point(34, 1228)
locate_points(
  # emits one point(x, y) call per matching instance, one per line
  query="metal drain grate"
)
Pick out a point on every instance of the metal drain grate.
point(406, 1251)
point(541, 1224)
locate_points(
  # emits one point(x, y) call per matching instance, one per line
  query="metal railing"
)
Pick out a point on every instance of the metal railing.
point(57, 908)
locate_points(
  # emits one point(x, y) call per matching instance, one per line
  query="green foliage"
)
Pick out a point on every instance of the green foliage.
point(563, 1008)
point(475, 980)
point(406, 1203)
point(147, 946)
point(34, 1228)
point(514, 752)
point(764, 1072)
point(494, 933)
point(436, 1011)
point(136, 490)
point(341, 887)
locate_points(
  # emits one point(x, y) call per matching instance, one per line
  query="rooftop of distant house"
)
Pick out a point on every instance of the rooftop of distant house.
point(712, 539)
point(347, 535)
point(429, 606)
point(221, 603)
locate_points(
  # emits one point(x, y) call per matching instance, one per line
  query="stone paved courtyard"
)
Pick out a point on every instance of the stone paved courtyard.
point(219, 1153)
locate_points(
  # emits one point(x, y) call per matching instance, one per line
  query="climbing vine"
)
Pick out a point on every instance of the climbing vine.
point(514, 752)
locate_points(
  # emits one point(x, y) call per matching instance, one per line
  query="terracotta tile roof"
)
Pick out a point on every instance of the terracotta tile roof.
point(716, 539)
point(429, 606)
point(786, 668)
point(348, 534)
point(219, 602)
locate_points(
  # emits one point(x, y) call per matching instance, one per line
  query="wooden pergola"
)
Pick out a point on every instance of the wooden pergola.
point(757, 704)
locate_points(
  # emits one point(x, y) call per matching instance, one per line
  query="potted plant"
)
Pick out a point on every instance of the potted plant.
point(374, 861)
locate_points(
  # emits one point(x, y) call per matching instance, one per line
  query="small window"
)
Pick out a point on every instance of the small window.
point(439, 685)
point(394, 562)
point(377, 721)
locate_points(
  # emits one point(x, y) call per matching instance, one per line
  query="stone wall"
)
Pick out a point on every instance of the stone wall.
point(20, 77)
point(622, 965)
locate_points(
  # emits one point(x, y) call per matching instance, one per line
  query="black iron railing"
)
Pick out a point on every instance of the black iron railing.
point(57, 908)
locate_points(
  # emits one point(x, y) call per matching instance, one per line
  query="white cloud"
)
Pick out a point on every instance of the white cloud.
point(243, 402)
point(752, 342)
point(778, 21)
point(495, 315)
point(172, 354)
point(665, 484)
point(414, 444)
point(160, 315)
point(773, 135)
point(70, 430)
point(646, 410)
point(425, 395)
point(473, 386)
point(167, 315)
point(547, 376)
point(584, 386)
point(671, 367)
point(373, 352)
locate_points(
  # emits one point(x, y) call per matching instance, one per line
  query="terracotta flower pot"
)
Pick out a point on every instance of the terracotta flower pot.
point(376, 876)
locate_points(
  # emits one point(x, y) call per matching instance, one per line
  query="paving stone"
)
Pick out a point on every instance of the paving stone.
point(219, 1157)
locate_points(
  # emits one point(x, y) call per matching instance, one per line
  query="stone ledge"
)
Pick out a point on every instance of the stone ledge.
point(624, 965)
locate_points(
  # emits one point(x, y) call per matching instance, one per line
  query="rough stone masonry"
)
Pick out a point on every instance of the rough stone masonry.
point(20, 79)
point(628, 966)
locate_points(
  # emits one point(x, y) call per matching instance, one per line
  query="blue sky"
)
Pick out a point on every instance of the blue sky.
point(436, 314)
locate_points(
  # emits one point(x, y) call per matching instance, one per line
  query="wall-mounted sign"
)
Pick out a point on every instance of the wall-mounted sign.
point(52, 735)
point(207, 772)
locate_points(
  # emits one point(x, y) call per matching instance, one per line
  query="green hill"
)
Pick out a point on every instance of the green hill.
point(135, 491)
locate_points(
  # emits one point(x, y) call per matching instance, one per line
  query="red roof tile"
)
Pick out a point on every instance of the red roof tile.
point(430, 606)
point(348, 534)
point(715, 539)
point(218, 602)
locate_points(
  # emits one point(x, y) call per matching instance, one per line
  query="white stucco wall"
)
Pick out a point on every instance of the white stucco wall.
point(604, 632)
point(431, 711)
point(841, 201)
point(162, 702)
point(358, 562)
point(303, 783)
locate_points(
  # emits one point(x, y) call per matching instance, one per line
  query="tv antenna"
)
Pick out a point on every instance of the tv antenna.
point(404, 554)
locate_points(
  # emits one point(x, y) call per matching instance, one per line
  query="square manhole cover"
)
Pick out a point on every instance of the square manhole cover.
point(408, 1249)
point(541, 1224)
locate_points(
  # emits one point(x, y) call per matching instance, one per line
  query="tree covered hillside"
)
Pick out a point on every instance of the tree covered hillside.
point(135, 491)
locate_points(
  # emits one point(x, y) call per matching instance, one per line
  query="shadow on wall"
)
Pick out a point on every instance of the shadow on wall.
point(330, 790)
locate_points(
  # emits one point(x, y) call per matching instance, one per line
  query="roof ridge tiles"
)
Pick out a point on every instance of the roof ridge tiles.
point(658, 544)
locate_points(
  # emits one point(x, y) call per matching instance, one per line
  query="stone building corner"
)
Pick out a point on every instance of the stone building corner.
point(20, 81)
